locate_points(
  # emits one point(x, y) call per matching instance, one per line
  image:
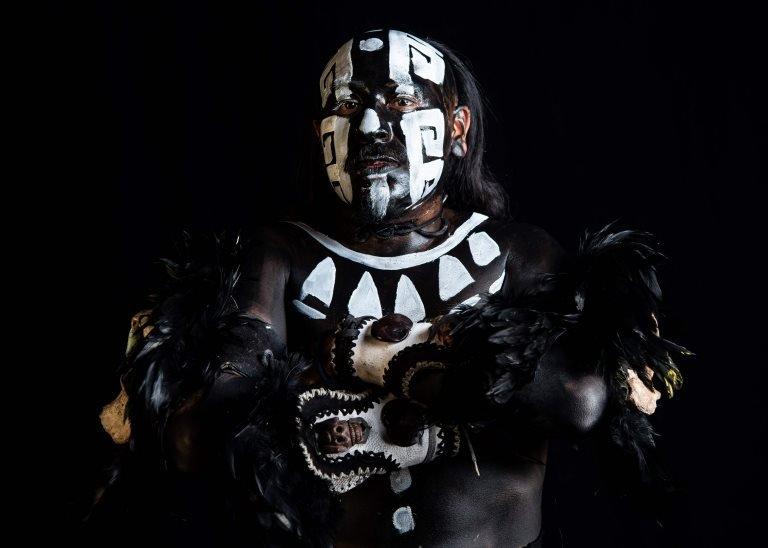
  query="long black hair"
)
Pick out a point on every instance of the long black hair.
point(469, 184)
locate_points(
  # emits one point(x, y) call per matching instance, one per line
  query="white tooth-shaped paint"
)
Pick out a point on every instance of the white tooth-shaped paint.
point(483, 248)
point(320, 282)
point(408, 301)
point(308, 310)
point(424, 132)
point(370, 121)
point(495, 286)
point(334, 135)
point(364, 300)
point(452, 277)
point(471, 301)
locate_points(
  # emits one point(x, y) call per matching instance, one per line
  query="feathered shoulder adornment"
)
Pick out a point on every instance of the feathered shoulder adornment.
point(603, 307)
point(263, 491)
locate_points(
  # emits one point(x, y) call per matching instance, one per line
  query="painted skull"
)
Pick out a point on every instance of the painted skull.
point(384, 131)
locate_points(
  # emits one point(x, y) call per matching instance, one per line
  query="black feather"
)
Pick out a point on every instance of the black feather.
point(615, 298)
point(266, 494)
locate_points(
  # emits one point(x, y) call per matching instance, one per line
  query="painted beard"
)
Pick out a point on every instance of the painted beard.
point(379, 160)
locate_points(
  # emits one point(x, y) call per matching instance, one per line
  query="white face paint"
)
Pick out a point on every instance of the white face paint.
point(370, 121)
point(377, 193)
point(405, 49)
point(424, 132)
point(337, 73)
point(334, 132)
point(371, 44)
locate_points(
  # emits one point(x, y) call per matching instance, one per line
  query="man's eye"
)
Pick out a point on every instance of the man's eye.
point(404, 103)
point(346, 107)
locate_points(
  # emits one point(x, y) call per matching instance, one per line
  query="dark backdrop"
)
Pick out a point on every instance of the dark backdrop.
point(195, 115)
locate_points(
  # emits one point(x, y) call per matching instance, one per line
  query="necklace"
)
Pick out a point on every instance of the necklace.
point(384, 231)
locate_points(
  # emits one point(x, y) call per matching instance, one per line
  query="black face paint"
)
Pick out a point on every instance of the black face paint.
point(384, 131)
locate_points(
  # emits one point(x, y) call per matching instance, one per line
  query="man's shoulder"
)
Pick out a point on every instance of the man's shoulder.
point(275, 234)
point(279, 243)
point(525, 243)
point(272, 243)
point(282, 237)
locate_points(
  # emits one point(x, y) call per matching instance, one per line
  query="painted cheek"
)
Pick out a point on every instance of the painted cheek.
point(424, 132)
point(334, 137)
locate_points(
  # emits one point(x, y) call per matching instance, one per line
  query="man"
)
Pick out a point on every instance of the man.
point(442, 353)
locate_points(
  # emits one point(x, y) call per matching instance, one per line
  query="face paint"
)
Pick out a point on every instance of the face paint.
point(424, 132)
point(409, 56)
point(337, 73)
point(384, 133)
point(334, 132)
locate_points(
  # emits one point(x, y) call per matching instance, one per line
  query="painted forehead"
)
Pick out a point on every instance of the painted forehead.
point(391, 54)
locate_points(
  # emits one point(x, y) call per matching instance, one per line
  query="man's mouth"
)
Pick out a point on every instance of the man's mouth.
point(376, 164)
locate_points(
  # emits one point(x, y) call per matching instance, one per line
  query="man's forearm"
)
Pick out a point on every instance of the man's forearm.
point(212, 417)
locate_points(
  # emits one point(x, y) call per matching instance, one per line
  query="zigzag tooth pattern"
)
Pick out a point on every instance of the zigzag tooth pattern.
point(335, 394)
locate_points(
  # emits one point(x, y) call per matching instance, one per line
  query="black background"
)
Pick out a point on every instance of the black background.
point(196, 115)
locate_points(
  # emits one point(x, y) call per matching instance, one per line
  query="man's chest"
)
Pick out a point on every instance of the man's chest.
point(329, 281)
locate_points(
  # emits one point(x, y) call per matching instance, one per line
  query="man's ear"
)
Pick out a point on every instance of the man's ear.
point(462, 120)
point(316, 125)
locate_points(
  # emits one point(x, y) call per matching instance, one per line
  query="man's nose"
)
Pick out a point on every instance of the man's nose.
point(373, 129)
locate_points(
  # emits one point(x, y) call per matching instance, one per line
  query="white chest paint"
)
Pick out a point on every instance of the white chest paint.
point(453, 276)
point(320, 281)
point(364, 300)
point(399, 262)
point(483, 248)
point(408, 301)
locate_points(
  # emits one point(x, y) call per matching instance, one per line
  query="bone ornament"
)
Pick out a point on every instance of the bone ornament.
point(643, 398)
point(387, 352)
point(347, 436)
point(344, 439)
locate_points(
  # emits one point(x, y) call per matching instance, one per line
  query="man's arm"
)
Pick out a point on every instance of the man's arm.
point(259, 331)
point(563, 395)
point(560, 394)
